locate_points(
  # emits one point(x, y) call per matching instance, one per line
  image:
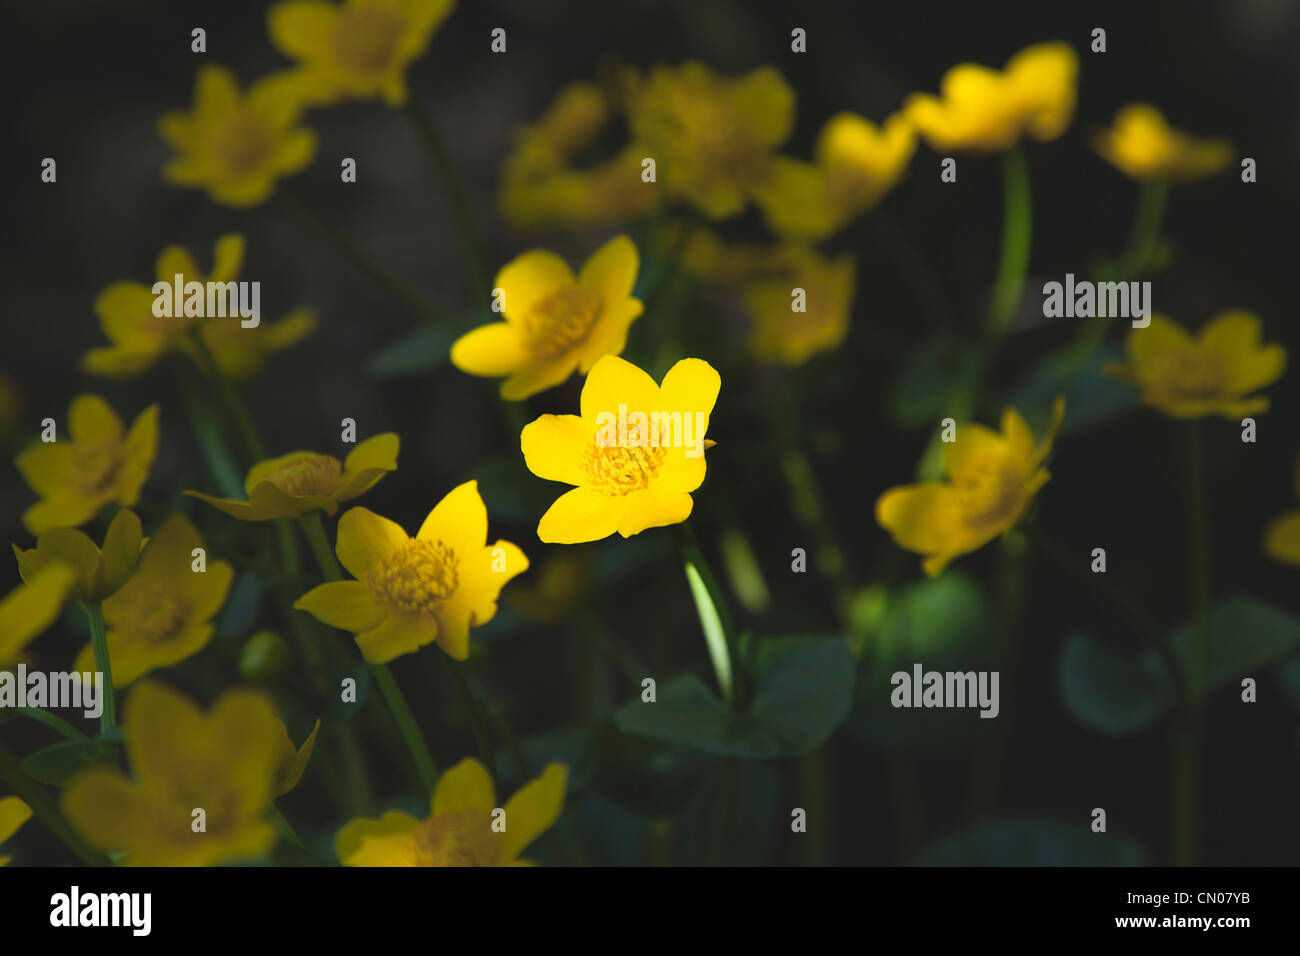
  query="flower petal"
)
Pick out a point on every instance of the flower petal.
point(365, 541)
point(582, 514)
point(553, 447)
point(528, 279)
point(466, 786)
point(459, 520)
point(388, 841)
point(534, 807)
point(347, 605)
point(492, 350)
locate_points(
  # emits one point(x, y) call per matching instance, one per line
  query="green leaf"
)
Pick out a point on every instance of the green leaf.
point(803, 692)
point(1034, 841)
point(425, 349)
point(1245, 635)
point(1090, 396)
point(57, 763)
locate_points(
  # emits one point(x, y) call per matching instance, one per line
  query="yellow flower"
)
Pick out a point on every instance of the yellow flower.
point(789, 337)
point(991, 480)
point(411, 591)
point(856, 164)
point(291, 761)
point(630, 476)
point(240, 353)
point(237, 147)
point(163, 614)
point(1212, 374)
point(1282, 538)
point(30, 608)
point(985, 110)
point(223, 763)
point(459, 830)
point(99, 465)
point(1142, 145)
point(712, 137)
point(554, 322)
point(99, 573)
point(125, 310)
point(303, 481)
point(356, 50)
point(13, 814)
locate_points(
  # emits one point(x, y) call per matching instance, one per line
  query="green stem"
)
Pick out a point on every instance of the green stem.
point(476, 721)
point(53, 721)
point(715, 617)
point(1017, 234)
point(314, 530)
point(33, 794)
point(461, 211)
point(99, 644)
point(1145, 232)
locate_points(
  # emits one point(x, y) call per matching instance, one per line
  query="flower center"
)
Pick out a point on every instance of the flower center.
point(365, 37)
point(162, 617)
point(1196, 374)
point(563, 319)
point(614, 470)
point(457, 838)
point(244, 144)
point(989, 491)
point(96, 467)
point(307, 474)
point(416, 577)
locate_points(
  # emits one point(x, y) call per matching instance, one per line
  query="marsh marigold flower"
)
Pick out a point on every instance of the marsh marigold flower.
point(1211, 374)
point(992, 478)
point(359, 49)
point(856, 163)
point(29, 609)
point(13, 814)
point(303, 481)
point(459, 830)
point(988, 110)
point(634, 455)
point(1282, 538)
point(163, 613)
point(95, 466)
point(408, 591)
point(1141, 145)
point(555, 323)
point(238, 146)
point(712, 137)
point(224, 762)
point(787, 336)
point(99, 572)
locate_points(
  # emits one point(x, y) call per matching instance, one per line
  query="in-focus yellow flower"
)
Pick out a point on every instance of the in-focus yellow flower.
point(98, 465)
point(459, 830)
point(236, 147)
point(13, 814)
point(1282, 537)
point(223, 763)
point(163, 614)
point(554, 322)
point(357, 50)
point(1212, 374)
point(992, 478)
point(240, 353)
point(711, 137)
point(303, 481)
point(987, 110)
point(635, 453)
point(856, 163)
point(125, 310)
point(99, 572)
point(788, 336)
point(1142, 145)
point(30, 608)
point(411, 591)
point(291, 761)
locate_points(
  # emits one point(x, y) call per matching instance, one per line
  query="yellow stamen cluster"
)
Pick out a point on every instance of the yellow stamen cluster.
point(416, 577)
point(615, 470)
point(563, 319)
point(308, 474)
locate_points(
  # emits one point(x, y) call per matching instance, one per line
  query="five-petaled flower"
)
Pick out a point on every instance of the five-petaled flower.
point(992, 478)
point(554, 322)
point(303, 481)
point(1211, 374)
point(624, 486)
point(1142, 145)
point(408, 591)
point(97, 466)
point(465, 827)
point(100, 572)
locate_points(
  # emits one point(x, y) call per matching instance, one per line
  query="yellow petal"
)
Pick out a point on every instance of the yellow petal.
point(30, 608)
point(614, 381)
point(13, 814)
point(1282, 538)
point(347, 605)
point(653, 508)
point(492, 350)
point(459, 520)
point(92, 420)
point(530, 278)
point(581, 515)
point(74, 549)
point(1158, 339)
point(534, 807)
point(611, 270)
point(302, 29)
point(691, 386)
point(538, 375)
point(121, 553)
point(293, 762)
point(921, 518)
point(388, 841)
point(378, 453)
point(553, 447)
point(466, 786)
point(109, 811)
point(366, 540)
point(974, 444)
point(400, 632)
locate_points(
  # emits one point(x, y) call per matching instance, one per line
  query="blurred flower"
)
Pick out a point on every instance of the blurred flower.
point(356, 50)
point(11, 400)
point(76, 478)
point(624, 486)
point(555, 587)
point(240, 353)
point(991, 480)
point(410, 591)
point(99, 573)
point(1142, 145)
point(237, 147)
point(291, 761)
point(223, 762)
point(986, 110)
point(30, 608)
point(461, 827)
point(1212, 374)
point(1282, 538)
point(303, 481)
point(790, 337)
point(554, 322)
point(712, 137)
point(13, 814)
point(856, 163)
point(163, 613)
point(125, 309)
